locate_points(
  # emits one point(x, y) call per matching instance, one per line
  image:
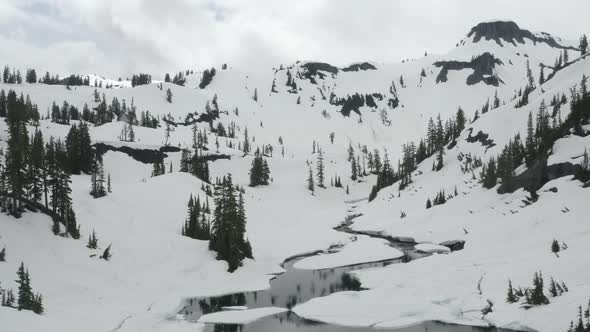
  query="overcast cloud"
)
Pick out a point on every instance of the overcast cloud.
point(118, 37)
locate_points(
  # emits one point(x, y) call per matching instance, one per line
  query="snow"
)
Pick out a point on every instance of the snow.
point(153, 268)
point(365, 249)
point(431, 248)
point(240, 316)
point(569, 149)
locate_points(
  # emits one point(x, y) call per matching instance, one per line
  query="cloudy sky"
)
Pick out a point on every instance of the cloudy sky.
point(118, 37)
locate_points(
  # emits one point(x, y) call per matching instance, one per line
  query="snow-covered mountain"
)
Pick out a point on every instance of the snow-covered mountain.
point(297, 110)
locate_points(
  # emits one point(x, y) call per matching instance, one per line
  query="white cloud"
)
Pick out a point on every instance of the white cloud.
point(122, 37)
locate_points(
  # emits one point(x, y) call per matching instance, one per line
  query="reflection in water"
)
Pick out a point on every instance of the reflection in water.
point(286, 290)
point(289, 322)
point(298, 286)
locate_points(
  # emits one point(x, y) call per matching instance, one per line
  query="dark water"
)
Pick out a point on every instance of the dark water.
point(298, 286)
point(289, 322)
point(286, 290)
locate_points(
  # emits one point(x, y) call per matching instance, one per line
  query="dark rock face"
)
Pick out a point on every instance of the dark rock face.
point(454, 245)
point(354, 102)
point(481, 137)
point(146, 156)
point(539, 173)
point(314, 67)
point(360, 66)
point(483, 69)
point(510, 32)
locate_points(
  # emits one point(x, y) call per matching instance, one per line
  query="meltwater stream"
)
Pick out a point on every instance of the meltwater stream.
point(297, 286)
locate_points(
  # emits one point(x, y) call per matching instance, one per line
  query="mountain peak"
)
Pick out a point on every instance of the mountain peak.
point(510, 32)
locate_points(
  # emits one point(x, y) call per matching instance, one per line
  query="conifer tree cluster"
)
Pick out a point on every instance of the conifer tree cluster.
point(34, 170)
point(228, 227)
point(27, 299)
point(30, 109)
point(11, 77)
point(179, 78)
point(195, 164)
point(159, 168)
point(141, 79)
point(148, 120)
point(582, 323)
point(207, 77)
point(541, 135)
point(3, 255)
point(535, 295)
point(79, 149)
point(92, 241)
point(97, 179)
point(197, 224)
point(437, 137)
point(259, 173)
point(440, 198)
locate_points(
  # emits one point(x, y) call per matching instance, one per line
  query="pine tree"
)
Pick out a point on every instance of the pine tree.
point(246, 145)
point(511, 297)
point(553, 288)
point(92, 241)
point(439, 160)
point(229, 225)
point(555, 247)
point(585, 161)
point(3, 255)
point(106, 254)
point(310, 184)
point(18, 142)
point(169, 95)
point(109, 188)
point(320, 170)
point(259, 173)
point(583, 44)
point(25, 294)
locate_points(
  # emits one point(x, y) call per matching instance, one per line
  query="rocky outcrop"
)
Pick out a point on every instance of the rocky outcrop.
point(360, 66)
point(146, 156)
point(354, 102)
point(454, 245)
point(480, 137)
point(483, 69)
point(313, 69)
point(510, 32)
point(540, 173)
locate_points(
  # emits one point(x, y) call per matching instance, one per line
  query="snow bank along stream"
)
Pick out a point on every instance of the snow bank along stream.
point(269, 309)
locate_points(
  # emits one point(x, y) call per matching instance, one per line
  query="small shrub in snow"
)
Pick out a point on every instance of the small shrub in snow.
point(555, 248)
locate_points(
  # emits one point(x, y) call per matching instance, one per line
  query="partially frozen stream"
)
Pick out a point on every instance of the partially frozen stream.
point(298, 286)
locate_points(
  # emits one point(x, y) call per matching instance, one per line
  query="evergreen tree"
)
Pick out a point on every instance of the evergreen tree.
point(18, 142)
point(169, 95)
point(583, 44)
point(320, 170)
point(310, 184)
point(511, 297)
point(3, 255)
point(106, 254)
point(259, 173)
point(246, 145)
point(229, 225)
point(555, 248)
point(537, 296)
point(92, 241)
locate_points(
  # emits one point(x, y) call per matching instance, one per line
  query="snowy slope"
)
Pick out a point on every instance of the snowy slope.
point(154, 268)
